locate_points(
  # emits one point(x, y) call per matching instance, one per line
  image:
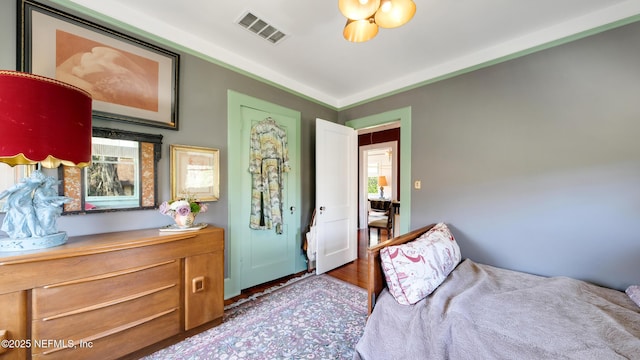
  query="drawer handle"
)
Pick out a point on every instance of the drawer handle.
point(197, 284)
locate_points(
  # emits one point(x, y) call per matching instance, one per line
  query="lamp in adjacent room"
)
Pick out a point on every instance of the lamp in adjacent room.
point(382, 182)
point(365, 16)
point(43, 122)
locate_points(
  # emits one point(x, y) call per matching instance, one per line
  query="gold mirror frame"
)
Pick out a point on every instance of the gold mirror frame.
point(150, 146)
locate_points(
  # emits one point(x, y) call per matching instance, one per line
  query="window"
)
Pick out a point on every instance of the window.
point(373, 170)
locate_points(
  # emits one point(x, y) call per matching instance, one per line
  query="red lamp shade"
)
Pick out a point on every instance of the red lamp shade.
point(43, 120)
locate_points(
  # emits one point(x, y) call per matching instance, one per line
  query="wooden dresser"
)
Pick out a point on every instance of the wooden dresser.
point(107, 295)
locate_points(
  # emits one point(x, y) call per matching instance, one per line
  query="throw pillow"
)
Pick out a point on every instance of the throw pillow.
point(415, 269)
point(634, 293)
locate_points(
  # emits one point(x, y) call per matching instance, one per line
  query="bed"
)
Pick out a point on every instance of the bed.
point(483, 312)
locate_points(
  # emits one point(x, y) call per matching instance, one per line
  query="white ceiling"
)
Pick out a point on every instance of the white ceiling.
point(445, 36)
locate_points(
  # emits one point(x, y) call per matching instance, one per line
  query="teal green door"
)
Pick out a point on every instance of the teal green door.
point(265, 254)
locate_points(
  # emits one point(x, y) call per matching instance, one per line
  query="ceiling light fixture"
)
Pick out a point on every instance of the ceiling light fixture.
point(365, 16)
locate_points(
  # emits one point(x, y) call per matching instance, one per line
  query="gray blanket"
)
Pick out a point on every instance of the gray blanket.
point(483, 312)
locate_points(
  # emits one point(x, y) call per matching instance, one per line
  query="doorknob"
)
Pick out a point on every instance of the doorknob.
point(322, 208)
point(293, 208)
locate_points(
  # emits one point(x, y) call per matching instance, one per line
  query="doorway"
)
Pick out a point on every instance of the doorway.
point(378, 176)
point(403, 117)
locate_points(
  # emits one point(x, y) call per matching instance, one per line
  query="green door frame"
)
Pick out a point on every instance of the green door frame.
point(404, 116)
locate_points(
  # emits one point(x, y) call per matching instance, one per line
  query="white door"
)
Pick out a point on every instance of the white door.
point(336, 195)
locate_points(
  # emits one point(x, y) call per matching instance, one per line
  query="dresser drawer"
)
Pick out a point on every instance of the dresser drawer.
point(94, 309)
point(117, 344)
point(13, 311)
point(84, 294)
point(95, 323)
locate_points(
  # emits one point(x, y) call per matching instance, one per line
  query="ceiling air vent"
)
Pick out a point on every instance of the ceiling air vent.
point(261, 27)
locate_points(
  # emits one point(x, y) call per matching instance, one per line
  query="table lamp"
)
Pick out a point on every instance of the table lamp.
point(43, 122)
point(382, 181)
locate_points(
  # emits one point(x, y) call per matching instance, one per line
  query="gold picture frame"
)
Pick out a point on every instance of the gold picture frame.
point(195, 173)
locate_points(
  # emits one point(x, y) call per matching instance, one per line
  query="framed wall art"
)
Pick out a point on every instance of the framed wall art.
point(195, 172)
point(129, 79)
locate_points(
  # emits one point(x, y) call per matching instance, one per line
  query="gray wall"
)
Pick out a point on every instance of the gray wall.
point(535, 162)
point(202, 122)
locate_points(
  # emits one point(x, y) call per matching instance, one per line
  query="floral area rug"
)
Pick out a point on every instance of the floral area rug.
point(317, 317)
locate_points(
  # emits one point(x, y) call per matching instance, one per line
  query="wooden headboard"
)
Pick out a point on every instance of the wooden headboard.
point(376, 277)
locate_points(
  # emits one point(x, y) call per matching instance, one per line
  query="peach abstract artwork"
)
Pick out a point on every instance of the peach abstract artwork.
point(109, 74)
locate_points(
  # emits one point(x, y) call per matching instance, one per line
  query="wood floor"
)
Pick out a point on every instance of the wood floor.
point(354, 272)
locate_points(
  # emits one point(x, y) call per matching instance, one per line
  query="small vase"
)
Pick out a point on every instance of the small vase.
point(184, 221)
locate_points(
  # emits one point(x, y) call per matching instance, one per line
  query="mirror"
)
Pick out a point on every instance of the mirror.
point(122, 174)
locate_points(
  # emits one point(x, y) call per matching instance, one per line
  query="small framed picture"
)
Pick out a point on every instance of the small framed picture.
point(129, 79)
point(195, 173)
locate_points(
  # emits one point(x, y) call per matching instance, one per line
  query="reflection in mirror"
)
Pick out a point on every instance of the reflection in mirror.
point(112, 178)
point(122, 174)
